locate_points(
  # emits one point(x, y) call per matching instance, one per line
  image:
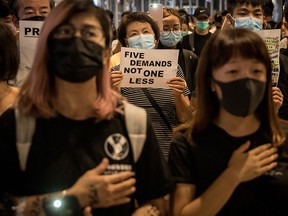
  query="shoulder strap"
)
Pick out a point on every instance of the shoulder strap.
point(25, 127)
point(136, 124)
point(191, 41)
point(157, 108)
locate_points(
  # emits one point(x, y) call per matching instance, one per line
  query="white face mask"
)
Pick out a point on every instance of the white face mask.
point(142, 41)
point(249, 23)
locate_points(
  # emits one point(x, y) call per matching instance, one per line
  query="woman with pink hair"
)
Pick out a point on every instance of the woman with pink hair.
point(79, 125)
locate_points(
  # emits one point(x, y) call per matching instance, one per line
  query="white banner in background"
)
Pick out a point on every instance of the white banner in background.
point(272, 39)
point(28, 39)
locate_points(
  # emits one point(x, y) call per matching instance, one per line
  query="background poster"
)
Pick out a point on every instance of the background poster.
point(28, 39)
point(272, 39)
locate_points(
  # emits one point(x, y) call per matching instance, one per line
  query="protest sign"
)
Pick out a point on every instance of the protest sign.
point(148, 68)
point(272, 40)
point(28, 39)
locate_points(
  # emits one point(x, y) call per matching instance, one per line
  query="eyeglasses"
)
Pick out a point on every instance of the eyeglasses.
point(174, 31)
point(87, 32)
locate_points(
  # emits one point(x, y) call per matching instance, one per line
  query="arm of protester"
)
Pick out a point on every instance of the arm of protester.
point(147, 210)
point(154, 207)
point(193, 104)
point(277, 98)
point(242, 167)
point(91, 189)
point(178, 85)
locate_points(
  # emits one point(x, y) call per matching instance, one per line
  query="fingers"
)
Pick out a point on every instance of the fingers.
point(177, 81)
point(124, 188)
point(114, 194)
point(108, 194)
point(119, 177)
point(267, 168)
point(267, 153)
point(178, 84)
point(277, 95)
point(116, 77)
point(115, 73)
point(152, 211)
point(260, 149)
point(116, 82)
point(102, 166)
point(147, 210)
point(268, 160)
point(265, 157)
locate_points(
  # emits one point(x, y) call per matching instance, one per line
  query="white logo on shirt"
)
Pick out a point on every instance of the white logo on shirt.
point(116, 146)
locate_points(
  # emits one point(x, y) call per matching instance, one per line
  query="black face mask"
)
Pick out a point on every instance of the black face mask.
point(75, 59)
point(35, 18)
point(241, 97)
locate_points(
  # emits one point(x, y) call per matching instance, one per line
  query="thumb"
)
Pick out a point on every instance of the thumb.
point(244, 147)
point(102, 166)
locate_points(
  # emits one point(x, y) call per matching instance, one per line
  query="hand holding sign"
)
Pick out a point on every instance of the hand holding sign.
point(277, 98)
point(178, 85)
point(116, 78)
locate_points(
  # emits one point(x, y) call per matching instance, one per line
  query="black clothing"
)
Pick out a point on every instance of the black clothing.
point(201, 161)
point(271, 24)
point(188, 62)
point(198, 43)
point(283, 83)
point(64, 149)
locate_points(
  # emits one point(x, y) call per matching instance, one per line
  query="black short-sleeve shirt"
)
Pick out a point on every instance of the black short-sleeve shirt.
point(201, 161)
point(63, 149)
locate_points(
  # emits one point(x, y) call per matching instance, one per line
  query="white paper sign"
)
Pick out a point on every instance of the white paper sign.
point(148, 68)
point(28, 39)
point(272, 39)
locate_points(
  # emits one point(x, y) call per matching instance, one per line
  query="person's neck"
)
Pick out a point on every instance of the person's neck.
point(75, 100)
point(204, 32)
point(237, 126)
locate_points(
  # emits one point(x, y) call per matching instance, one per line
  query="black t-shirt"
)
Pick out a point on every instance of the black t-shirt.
point(63, 149)
point(199, 42)
point(201, 161)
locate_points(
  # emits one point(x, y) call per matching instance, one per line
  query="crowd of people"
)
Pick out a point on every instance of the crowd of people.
point(74, 142)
